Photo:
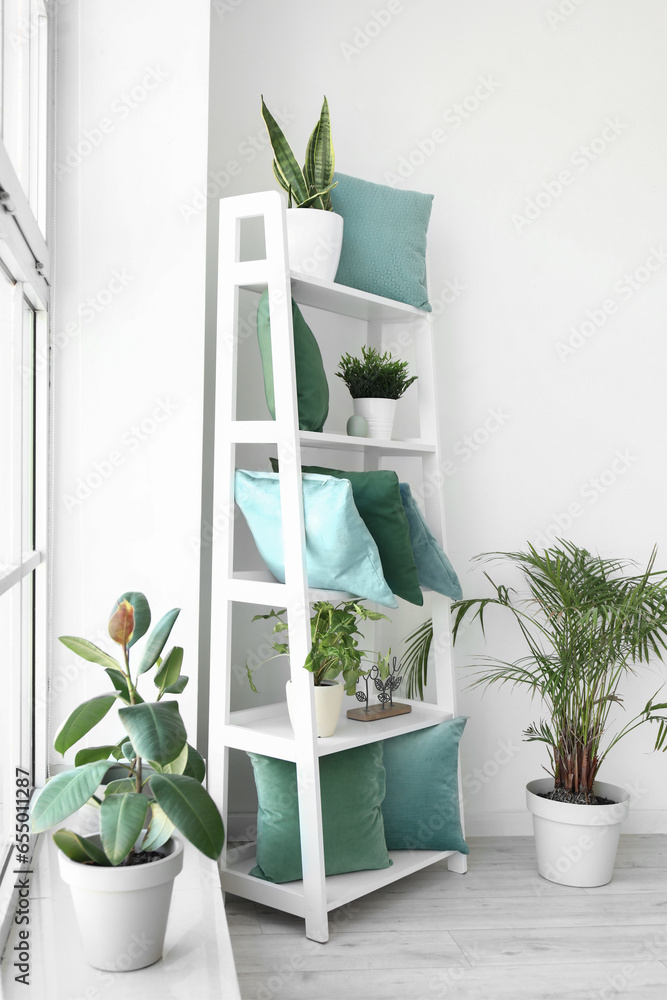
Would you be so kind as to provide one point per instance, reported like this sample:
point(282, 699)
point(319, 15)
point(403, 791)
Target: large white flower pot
point(314, 241)
point(328, 703)
point(576, 844)
point(379, 415)
point(122, 912)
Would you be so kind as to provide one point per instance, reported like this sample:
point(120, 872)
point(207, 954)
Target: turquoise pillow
point(312, 388)
point(340, 551)
point(384, 239)
point(352, 785)
point(433, 567)
point(421, 807)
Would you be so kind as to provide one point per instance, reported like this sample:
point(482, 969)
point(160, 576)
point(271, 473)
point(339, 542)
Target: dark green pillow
point(312, 388)
point(421, 807)
point(377, 497)
point(352, 786)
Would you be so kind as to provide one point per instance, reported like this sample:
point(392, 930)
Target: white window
point(24, 300)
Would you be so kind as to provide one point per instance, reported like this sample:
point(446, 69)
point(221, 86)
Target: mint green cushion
point(384, 239)
point(377, 497)
point(433, 567)
point(340, 551)
point(352, 786)
point(421, 807)
point(312, 388)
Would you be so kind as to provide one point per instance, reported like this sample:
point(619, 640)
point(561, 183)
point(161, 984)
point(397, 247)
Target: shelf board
point(345, 442)
point(340, 889)
point(259, 586)
point(268, 730)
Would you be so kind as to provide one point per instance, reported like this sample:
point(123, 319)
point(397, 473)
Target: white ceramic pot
point(122, 912)
point(314, 241)
point(379, 415)
point(576, 844)
point(328, 702)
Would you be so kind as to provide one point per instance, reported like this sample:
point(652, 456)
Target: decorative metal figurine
point(385, 689)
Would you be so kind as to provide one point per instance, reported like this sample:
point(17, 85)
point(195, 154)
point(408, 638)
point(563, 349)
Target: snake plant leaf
point(319, 166)
point(287, 170)
point(159, 831)
point(192, 811)
point(88, 754)
point(121, 822)
point(156, 730)
point(89, 651)
point(195, 767)
point(169, 670)
point(82, 720)
point(121, 624)
point(65, 793)
point(79, 848)
point(313, 199)
point(156, 641)
point(142, 613)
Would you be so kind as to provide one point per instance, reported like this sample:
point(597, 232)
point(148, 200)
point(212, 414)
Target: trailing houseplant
point(375, 381)
point(160, 791)
point(314, 239)
point(334, 652)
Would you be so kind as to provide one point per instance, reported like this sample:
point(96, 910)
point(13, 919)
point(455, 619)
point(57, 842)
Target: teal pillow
point(421, 807)
point(433, 567)
point(377, 497)
point(384, 239)
point(352, 785)
point(340, 552)
point(312, 388)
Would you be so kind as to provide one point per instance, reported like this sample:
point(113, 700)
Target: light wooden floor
point(498, 932)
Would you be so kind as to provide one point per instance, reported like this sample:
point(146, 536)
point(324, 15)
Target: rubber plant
point(586, 622)
point(161, 790)
point(374, 375)
point(310, 186)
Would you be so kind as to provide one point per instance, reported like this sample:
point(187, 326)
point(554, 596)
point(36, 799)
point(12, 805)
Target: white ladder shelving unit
point(267, 730)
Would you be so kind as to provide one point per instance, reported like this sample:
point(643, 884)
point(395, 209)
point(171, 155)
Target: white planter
point(314, 241)
point(379, 415)
point(122, 912)
point(576, 844)
point(328, 702)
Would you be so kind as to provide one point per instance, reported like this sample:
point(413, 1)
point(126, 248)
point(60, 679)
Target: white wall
point(537, 126)
point(131, 145)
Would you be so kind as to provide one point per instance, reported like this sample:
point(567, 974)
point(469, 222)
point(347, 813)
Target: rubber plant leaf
point(156, 730)
point(159, 831)
point(82, 720)
point(88, 754)
point(192, 811)
point(169, 670)
point(121, 624)
point(156, 641)
point(121, 822)
point(142, 613)
point(79, 848)
point(195, 767)
point(89, 651)
point(63, 794)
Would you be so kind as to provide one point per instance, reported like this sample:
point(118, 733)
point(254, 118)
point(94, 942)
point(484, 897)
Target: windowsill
point(197, 960)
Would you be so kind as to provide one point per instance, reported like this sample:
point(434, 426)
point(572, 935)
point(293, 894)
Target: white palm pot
point(314, 241)
point(328, 703)
point(379, 415)
point(576, 844)
point(122, 912)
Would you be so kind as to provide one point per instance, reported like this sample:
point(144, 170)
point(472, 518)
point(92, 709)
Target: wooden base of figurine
point(376, 712)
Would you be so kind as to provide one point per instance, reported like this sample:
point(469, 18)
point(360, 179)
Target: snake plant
point(308, 187)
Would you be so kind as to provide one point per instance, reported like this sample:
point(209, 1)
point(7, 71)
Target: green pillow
point(384, 239)
point(433, 567)
point(421, 807)
point(352, 785)
point(312, 388)
point(377, 497)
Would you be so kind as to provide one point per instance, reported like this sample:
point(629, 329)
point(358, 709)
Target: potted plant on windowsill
point(334, 654)
point(121, 879)
point(375, 381)
point(314, 238)
point(586, 622)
